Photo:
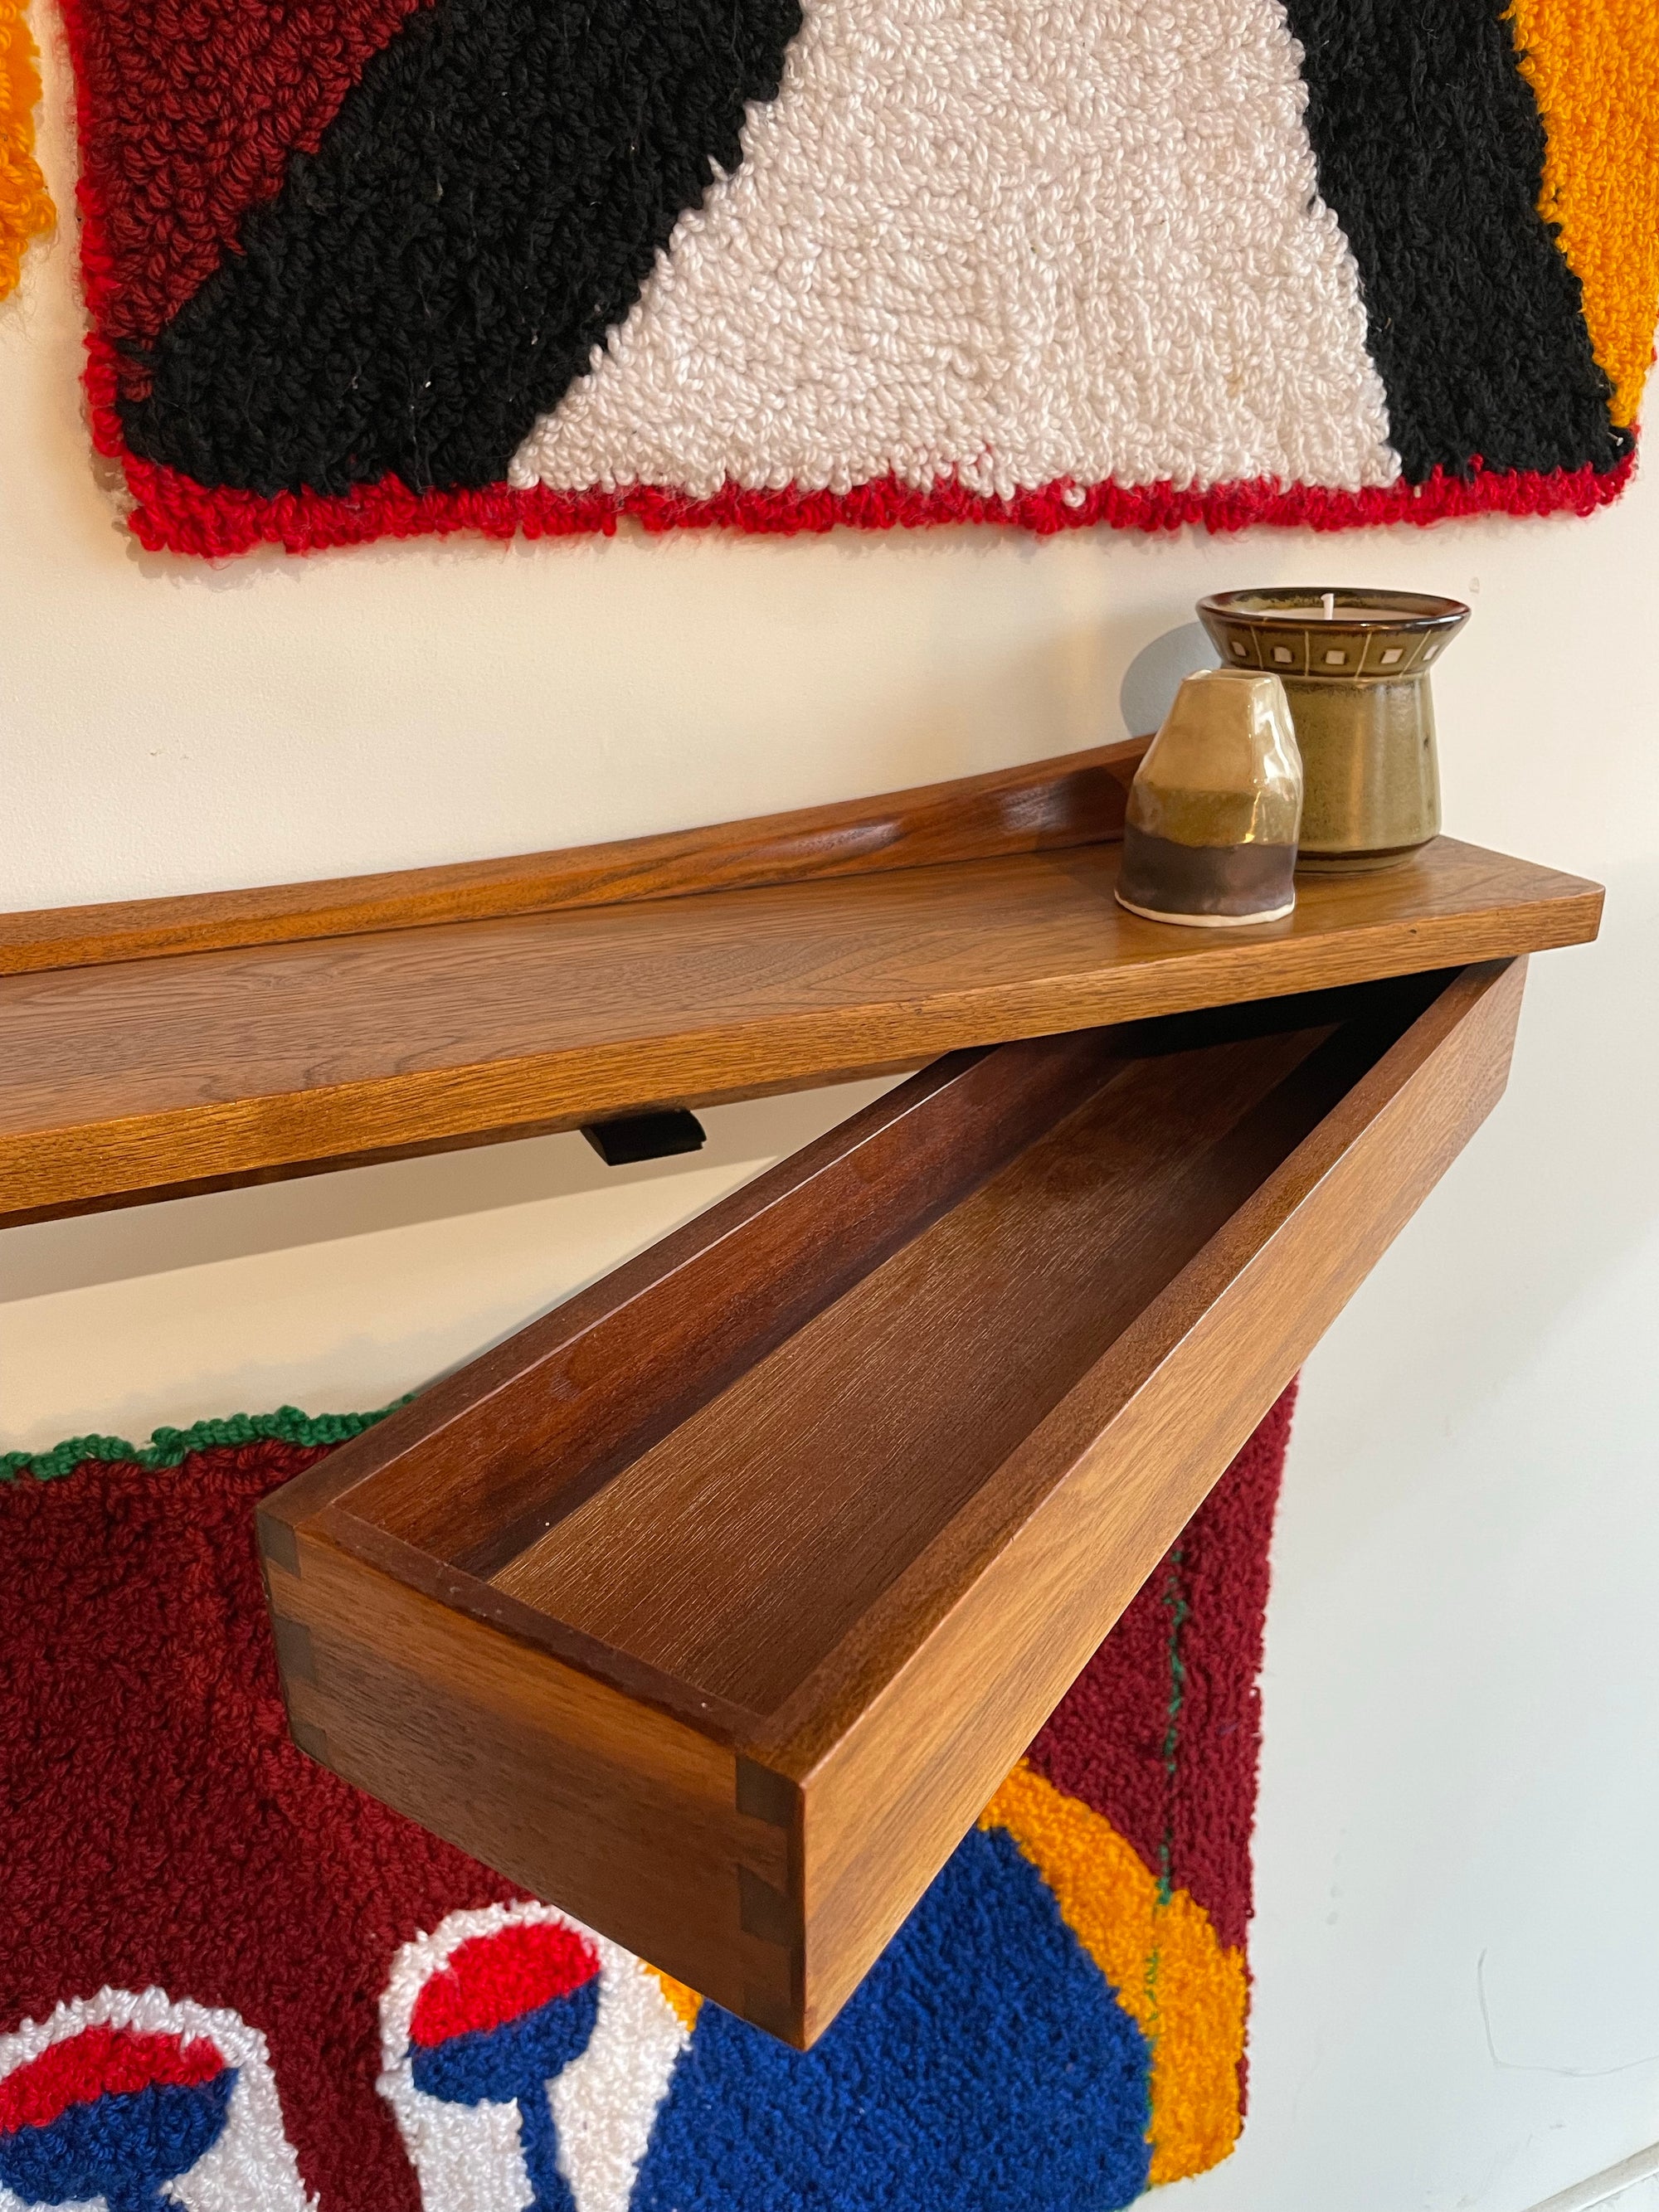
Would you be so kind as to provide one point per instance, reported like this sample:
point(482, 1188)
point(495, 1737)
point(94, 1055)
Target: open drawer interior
point(714, 1605)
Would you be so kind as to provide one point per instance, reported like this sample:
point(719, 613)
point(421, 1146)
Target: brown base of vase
point(1207, 886)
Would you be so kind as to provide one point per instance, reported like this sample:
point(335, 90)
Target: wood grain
point(485, 1461)
point(562, 1784)
point(901, 1737)
point(739, 1550)
point(126, 1081)
point(1075, 799)
point(860, 1573)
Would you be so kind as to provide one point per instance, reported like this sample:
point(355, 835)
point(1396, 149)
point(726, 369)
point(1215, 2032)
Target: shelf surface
point(714, 1605)
point(147, 1078)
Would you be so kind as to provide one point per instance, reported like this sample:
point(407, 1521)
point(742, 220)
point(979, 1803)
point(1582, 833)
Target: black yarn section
point(1430, 151)
point(483, 208)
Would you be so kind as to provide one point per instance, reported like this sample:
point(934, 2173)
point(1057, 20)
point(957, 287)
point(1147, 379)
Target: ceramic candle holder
point(1355, 667)
point(1210, 835)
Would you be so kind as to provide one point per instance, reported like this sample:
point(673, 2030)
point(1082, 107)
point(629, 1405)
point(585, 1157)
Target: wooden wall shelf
point(714, 1605)
point(867, 939)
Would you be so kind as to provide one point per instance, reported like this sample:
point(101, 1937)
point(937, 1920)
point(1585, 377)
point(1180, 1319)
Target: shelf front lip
point(52, 1165)
point(1046, 806)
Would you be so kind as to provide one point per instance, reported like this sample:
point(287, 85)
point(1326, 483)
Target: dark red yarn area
point(1162, 1731)
point(173, 513)
point(189, 112)
point(158, 1828)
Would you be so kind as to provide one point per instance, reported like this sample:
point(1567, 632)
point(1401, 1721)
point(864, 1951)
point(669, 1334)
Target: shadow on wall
point(1153, 677)
point(1046, 699)
point(1558, 1193)
point(189, 1232)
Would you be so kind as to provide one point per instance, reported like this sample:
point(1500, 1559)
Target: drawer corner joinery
point(713, 1605)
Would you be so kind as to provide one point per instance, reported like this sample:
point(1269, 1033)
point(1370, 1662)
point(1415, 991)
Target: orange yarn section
point(1163, 1958)
point(1594, 68)
point(684, 2003)
point(25, 208)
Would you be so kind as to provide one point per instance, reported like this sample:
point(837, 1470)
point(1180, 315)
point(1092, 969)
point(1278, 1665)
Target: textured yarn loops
point(483, 206)
point(367, 268)
point(1431, 151)
point(230, 1981)
point(939, 264)
point(26, 209)
point(1594, 66)
point(130, 2100)
point(172, 1447)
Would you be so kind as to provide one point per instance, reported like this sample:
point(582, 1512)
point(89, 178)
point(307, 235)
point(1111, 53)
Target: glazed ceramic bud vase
point(1355, 667)
point(1210, 835)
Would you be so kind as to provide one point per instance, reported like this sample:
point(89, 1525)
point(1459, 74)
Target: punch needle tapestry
point(231, 1983)
point(25, 208)
point(359, 267)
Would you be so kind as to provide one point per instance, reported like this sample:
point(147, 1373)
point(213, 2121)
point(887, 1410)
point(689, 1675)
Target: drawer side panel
point(897, 1766)
point(614, 1812)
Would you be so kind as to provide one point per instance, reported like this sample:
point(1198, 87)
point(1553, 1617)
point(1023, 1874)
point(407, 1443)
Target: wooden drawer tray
point(714, 1606)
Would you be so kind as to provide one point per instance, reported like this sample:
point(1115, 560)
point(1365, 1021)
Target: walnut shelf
point(714, 1605)
point(135, 1073)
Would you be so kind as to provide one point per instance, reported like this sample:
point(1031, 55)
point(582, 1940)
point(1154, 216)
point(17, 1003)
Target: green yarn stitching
point(168, 1447)
point(1179, 1607)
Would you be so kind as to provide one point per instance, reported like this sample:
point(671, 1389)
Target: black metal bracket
point(645, 1136)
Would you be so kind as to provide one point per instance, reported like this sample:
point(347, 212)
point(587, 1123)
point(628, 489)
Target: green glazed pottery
point(1355, 667)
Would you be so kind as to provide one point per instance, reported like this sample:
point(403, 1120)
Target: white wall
point(1462, 1794)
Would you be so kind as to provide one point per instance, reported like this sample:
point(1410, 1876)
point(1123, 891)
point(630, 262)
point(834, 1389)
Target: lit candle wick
point(1330, 606)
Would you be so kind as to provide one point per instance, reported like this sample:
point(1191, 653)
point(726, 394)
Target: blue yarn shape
point(513, 2064)
point(120, 2148)
point(984, 2066)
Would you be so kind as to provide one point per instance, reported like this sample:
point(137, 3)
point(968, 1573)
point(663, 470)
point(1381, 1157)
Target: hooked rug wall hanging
point(230, 1982)
point(26, 209)
point(362, 267)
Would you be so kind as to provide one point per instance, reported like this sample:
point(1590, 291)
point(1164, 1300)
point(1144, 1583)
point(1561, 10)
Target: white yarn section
point(467, 2157)
point(1009, 242)
point(251, 2168)
point(604, 2102)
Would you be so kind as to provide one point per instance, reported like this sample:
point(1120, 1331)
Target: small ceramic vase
point(1355, 666)
point(1210, 835)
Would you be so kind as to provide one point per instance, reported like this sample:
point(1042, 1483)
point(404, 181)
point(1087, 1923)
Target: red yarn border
point(172, 514)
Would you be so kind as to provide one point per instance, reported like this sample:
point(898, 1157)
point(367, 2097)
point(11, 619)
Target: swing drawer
point(714, 1605)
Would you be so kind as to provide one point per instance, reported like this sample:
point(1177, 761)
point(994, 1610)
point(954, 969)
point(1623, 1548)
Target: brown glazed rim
point(1294, 605)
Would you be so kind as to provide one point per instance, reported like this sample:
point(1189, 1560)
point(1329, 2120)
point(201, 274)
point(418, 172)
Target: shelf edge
point(1076, 799)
